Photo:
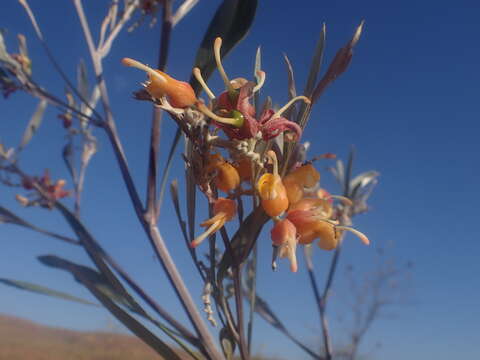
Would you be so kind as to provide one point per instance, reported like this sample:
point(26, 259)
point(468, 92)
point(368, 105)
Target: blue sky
point(409, 103)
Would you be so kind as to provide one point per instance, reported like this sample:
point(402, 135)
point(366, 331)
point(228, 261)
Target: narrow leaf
point(23, 285)
point(97, 254)
point(339, 64)
point(95, 283)
point(292, 91)
point(166, 170)
point(316, 63)
point(231, 22)
point(82, 79)
point(4, 55)
point(68, 158)
point(363, 180)
point(82, 83)
point(6, 216)
point(33, 124)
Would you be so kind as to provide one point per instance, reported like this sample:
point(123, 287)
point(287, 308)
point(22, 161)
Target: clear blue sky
point(409, 103)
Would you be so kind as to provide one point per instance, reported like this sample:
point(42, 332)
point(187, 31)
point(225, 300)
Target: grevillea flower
point(305, 176)
point(224, 210)
point(233, 111)
point(272, 193)
point(284, 237)
point(179, 93)
point(226, 177)
point(53, 191)
point(313, 221)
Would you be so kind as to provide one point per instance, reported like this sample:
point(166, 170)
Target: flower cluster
point(47, 192)
point(301, 211)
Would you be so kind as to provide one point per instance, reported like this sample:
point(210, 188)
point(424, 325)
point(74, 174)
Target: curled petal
point(273, 128)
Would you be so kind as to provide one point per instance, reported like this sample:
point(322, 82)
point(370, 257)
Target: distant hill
point(24, 340)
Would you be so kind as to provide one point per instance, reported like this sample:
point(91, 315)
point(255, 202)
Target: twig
point(64, 76)
point(104, 48)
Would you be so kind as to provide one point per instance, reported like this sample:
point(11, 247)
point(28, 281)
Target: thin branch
point(321, 303)
point(104, 48)
point(50, 56)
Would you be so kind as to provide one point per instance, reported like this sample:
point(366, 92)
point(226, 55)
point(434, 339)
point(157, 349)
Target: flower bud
point(226, 177)
point(295, 181)
point(179, 93)
point(272, 192)
point(284, 236)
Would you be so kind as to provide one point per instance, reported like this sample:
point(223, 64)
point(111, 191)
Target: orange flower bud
point(224, 210)
point(284, 235)
point(272, 192)
point(244, 169)
point(226, 177)
point(179, 93)
point(295, 181)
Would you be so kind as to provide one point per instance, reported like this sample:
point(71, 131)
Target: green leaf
point(33, 124)
point(231, 22)
point(97, 284)
point(23, 285)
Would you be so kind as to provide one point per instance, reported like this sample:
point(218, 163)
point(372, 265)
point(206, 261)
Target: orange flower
point(284, 236)
point(226, 176)
point(271, 190)
point(298, 179)
point(311, 224)
point(179, 93)
point(321, 207)
point(244, 168)
point(224, 210)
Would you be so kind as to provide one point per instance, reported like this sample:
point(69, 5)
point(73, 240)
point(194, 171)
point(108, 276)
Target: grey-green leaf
point(316, 63)
point(33, 124)
point(101, 289)
point(82, 81)
point(23, 285)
